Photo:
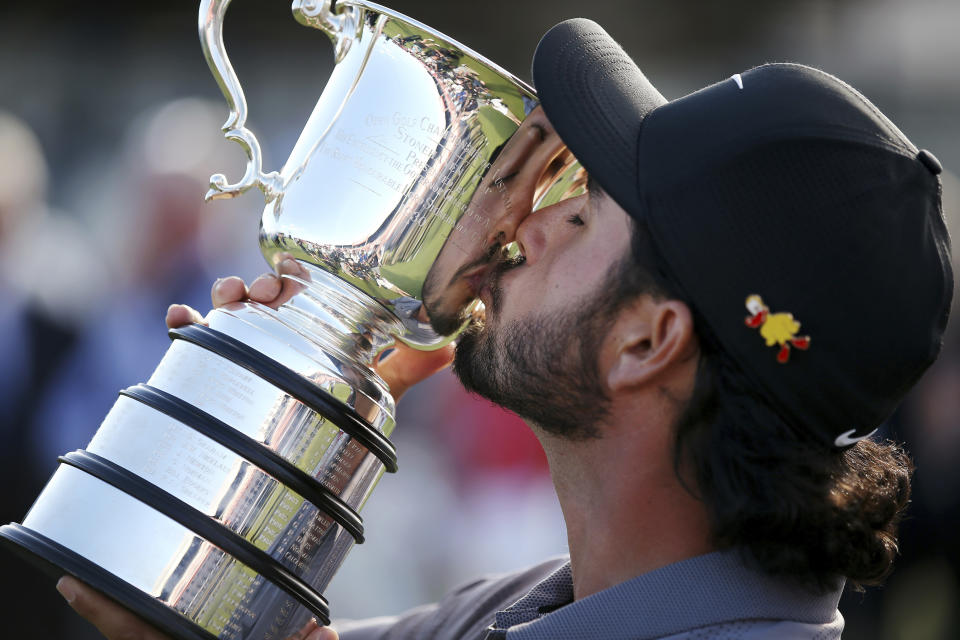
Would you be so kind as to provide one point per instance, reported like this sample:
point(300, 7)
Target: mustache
point(496, 256)
point(498, 253)
point(507, 263)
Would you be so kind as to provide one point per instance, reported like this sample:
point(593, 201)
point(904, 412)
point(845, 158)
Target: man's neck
point(625, 509)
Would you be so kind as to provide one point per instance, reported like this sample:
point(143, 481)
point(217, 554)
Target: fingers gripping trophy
point(218, 498)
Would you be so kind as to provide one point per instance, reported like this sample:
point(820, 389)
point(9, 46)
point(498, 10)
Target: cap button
point(930, 162)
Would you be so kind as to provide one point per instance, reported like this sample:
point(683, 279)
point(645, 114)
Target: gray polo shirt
point(711, 596)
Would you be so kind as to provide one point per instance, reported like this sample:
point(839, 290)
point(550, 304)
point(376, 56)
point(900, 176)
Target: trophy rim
point(379, 8)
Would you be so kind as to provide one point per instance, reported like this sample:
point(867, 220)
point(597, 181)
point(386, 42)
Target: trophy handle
point(211, 38)
point(342, 26)
point(341, 21)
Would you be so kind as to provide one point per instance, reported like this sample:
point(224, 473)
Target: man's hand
point(401, 369)
point(117, 623)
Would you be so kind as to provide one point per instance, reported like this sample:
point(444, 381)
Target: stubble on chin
point(543, 368)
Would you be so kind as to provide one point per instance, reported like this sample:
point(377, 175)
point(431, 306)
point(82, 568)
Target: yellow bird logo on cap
point(775, 328)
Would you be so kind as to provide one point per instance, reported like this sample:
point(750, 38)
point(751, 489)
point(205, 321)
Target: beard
point(544, 368)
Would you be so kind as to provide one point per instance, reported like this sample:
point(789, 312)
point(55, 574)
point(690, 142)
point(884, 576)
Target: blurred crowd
point(85, 291)
point(85, 287)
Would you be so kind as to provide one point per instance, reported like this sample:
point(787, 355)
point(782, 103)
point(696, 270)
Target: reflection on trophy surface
point(529, 169)
point(218, 499)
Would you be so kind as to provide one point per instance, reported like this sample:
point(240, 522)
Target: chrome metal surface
point(233, 492)
point(164, 559)
point(401, 161)
point(418, 160)
point(251, 405)
point(211, 39)
point(399, 156)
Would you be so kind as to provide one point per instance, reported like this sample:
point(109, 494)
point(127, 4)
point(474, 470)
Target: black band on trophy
point(203, 525)
point(253, 451)
point(293, 384)
point(55, 559)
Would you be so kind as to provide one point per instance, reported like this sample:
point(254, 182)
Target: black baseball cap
point(800, 224)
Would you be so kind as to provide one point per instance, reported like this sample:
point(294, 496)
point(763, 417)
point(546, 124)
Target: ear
point(648, 339)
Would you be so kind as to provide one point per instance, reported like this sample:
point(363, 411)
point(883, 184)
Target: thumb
point(113, 621)
point(313, 631)
point(323, 633)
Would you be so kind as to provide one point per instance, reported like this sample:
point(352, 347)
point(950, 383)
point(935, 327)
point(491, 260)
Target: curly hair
point(798, 506)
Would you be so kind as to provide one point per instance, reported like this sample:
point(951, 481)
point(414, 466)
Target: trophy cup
point(217, 499)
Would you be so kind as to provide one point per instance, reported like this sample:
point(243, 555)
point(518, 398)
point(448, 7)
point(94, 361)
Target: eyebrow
point(594, 188)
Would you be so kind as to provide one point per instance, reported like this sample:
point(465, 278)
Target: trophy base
point(217, 499)
point(55, 560)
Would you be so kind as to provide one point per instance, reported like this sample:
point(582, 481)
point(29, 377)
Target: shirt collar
point(553, 592)
point(710, 589)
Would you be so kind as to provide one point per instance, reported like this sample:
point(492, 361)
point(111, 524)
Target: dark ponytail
point(801, 508)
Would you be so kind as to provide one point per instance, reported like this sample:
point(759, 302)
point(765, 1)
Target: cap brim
point(596, 98)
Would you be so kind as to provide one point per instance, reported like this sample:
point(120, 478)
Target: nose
point(537, 232)
point(525, 162)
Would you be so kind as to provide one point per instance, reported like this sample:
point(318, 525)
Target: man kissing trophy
point(218, 498)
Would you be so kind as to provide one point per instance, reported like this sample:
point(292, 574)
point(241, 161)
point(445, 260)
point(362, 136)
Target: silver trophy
point(218, 499)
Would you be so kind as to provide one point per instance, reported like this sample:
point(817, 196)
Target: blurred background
point(109, 130)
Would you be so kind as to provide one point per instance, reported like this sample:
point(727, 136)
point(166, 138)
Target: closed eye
point(575, 219)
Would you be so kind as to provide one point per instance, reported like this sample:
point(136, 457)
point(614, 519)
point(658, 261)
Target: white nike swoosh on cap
point(844, 439)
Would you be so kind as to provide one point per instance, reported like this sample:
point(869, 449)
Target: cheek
point(552, 285)
point(583, 268)
point(576, 266)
